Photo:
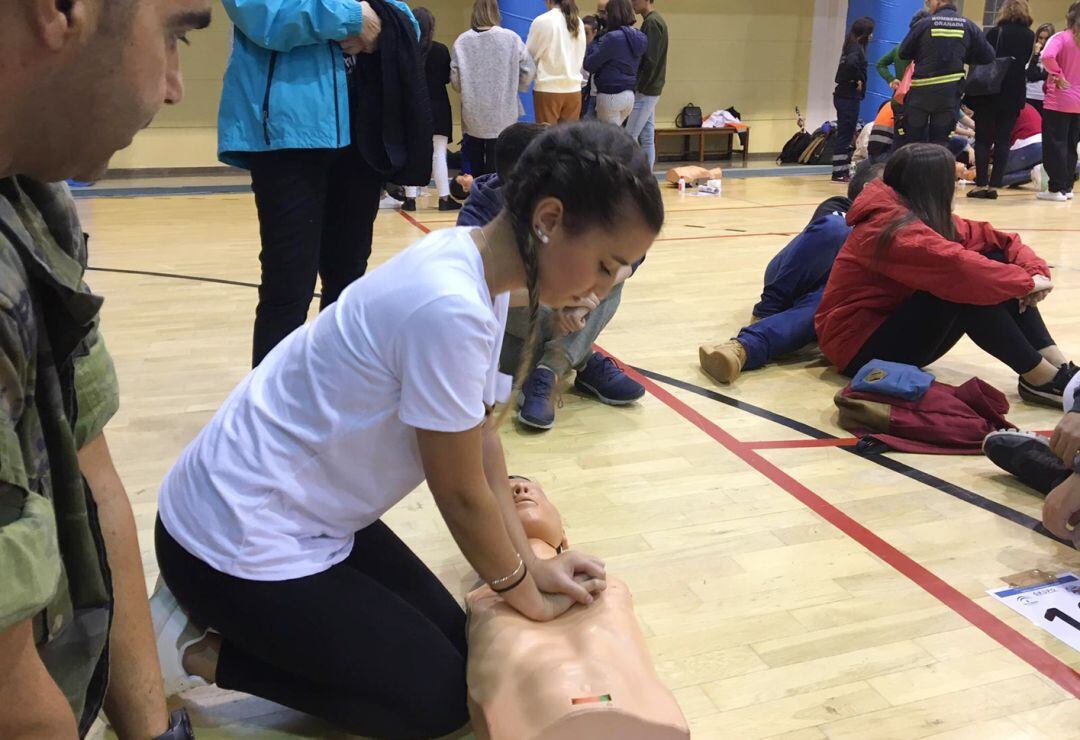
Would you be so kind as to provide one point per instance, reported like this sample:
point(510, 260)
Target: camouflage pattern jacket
point(57, 390)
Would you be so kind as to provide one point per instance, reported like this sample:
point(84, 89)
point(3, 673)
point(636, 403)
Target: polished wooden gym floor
point(787, 587)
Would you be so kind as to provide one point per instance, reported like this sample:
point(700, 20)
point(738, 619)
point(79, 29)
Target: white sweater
point(489, 68)
point(559, 56)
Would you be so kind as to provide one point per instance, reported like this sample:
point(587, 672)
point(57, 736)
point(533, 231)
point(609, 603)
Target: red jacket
point(863, 292)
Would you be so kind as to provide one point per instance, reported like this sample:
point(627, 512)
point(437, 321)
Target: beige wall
point(753, 55)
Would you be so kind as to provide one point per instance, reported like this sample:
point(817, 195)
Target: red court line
point(725, 236)
point(792, 444)
point(414, 222)
point(1003, 634)
point(427, 230)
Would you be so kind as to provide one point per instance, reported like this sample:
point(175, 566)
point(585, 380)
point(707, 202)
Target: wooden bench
point(701, 133)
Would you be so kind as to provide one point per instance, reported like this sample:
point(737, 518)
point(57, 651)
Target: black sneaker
point(1048, 394)
point(409, 204)
point(985, 193)
point(1028, 457)
point(446, 203)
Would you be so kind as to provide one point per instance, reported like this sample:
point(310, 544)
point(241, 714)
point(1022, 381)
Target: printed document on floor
point(1053, 606)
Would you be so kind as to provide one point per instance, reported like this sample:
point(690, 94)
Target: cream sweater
point(558, 55)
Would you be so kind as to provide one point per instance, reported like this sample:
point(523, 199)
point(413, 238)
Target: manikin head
point(538, 515)
point(79, 78)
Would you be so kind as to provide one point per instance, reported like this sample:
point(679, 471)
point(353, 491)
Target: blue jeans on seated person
point(1018, 167)
point(794, 282)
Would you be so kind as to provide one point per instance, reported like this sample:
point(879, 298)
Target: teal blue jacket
point(285, 83)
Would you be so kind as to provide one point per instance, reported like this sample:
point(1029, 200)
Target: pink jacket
point(1061, 58)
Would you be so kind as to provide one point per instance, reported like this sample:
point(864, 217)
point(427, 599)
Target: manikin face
point(538, 515)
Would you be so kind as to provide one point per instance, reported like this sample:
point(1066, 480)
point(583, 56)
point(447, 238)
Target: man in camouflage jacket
point(78, 80)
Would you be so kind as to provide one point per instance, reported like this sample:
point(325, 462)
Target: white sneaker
point(175, 633)
point(390, 202)
point(1070, 195)
point(1056, 197)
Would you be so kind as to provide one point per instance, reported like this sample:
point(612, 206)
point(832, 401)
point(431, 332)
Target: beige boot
point(723, 362)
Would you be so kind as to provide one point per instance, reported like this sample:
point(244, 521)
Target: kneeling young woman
point(913, 278)
point(269, 532)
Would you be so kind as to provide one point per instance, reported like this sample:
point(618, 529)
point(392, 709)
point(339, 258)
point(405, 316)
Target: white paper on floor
point(1053, 606)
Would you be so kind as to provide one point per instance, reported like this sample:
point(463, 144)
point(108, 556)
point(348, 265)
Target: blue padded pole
point(892, 18)
point(518, 15)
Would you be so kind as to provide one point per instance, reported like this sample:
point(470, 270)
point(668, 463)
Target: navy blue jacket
point(613, 59)
point(484, 203)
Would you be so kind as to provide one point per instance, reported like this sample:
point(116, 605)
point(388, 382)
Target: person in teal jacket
point(285, 116)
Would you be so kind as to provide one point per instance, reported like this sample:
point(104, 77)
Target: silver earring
point(544, 238)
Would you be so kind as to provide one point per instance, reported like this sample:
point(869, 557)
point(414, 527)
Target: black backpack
point(690, 117)
point(794, 148)
point(824, 153)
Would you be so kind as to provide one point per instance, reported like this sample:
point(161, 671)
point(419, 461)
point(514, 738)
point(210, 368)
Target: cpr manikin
point(587, 674)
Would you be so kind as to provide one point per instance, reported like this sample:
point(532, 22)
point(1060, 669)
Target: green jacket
point(652, 74)
point(892, 59)
point(57, 390)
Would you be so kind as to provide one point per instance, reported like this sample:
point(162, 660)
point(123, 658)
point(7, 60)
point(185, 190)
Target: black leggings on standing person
point(993, 130)
point(925, 327)
point(1061, 134)
point(317, 210)
point(374, 644)
point(481, 154)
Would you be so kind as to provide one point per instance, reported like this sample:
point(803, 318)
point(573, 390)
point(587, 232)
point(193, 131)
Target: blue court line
point(897, 466)
point(120, 191)
point(97, 191)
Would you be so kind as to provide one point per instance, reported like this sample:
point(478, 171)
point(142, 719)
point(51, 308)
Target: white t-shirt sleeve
point(444, 353)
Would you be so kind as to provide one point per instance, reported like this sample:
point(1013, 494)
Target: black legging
point(993, 129)
point(925, 327)
point(375, 644)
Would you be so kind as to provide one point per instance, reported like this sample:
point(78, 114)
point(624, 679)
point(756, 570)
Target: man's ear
point(57, 22)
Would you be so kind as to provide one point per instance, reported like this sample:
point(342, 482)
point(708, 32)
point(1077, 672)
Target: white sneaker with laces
point(175, 633)
point(1048, 195)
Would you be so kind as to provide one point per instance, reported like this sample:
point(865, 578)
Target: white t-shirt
point(319, 441)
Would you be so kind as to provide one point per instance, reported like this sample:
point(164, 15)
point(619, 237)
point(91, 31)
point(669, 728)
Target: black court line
point(897, 466)
point(176, 276)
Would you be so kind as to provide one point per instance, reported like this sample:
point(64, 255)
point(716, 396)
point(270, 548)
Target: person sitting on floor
point(783, 320)
point(566, 336)
point(913, 278)
point(1049, 465)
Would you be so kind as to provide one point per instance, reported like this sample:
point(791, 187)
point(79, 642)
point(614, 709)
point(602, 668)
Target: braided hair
point(599, 174)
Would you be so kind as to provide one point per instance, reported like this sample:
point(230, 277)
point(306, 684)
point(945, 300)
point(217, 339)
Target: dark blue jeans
point(794, 282)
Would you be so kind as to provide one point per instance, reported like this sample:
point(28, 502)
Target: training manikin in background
point(587, 674)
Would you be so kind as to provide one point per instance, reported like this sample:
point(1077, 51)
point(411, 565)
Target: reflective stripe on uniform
point(942, 80)
point(954, 33)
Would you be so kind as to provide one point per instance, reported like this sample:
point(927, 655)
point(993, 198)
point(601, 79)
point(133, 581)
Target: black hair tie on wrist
point(515, 584)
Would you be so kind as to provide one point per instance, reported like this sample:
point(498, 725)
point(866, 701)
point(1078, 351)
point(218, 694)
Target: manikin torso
point(586, 674)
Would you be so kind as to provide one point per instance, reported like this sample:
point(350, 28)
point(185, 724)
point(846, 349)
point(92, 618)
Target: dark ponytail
point(570, 10)
point(924, 176)
point(599, 174)
point(859, 35)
